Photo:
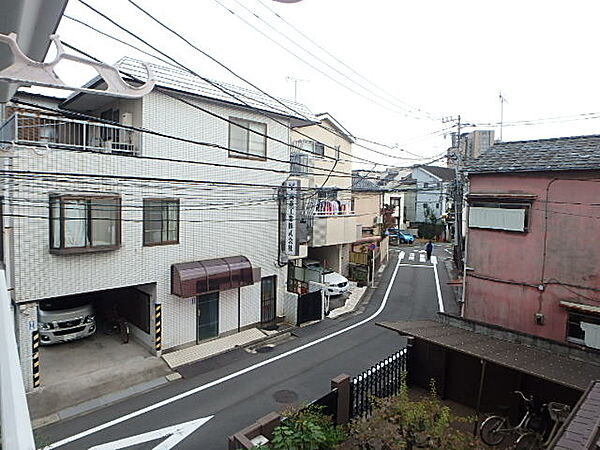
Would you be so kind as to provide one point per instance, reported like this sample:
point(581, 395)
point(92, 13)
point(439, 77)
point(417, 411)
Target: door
point(268, 294)
point(207, 307)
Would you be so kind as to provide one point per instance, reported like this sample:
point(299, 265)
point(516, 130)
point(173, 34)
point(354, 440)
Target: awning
point(219, 274)
point(542, 364)
point(580, 307)
point(367, 239)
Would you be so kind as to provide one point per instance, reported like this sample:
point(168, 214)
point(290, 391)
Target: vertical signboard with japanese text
point(291, 217)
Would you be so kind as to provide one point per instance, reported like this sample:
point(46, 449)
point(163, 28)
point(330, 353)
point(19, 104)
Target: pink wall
point(572, 254)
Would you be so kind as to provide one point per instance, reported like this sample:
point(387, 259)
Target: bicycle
point(495, 429)
point(539, 439)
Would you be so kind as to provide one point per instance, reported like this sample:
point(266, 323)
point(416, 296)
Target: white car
point(335, 283)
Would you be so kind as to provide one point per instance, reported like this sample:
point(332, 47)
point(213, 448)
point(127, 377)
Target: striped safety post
point(158, 327)
point(35, 353)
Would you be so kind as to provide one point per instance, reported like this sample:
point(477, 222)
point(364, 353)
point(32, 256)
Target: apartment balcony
point(37, 129)
point(333, 223)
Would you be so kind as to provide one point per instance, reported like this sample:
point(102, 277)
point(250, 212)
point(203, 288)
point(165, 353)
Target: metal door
point(268, 296)
point(207, 316)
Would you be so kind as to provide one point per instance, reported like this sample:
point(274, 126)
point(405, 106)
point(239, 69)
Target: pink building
point(533, 245)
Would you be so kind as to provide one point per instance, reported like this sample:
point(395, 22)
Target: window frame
point(88, 248)
point(503, 204)
point(237, 153)
point(576, 340)
point(164, 201)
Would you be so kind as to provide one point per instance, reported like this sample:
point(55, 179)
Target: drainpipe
point(239, 310)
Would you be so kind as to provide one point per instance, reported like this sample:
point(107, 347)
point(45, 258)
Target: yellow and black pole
point(158, 327)
point(35, 357)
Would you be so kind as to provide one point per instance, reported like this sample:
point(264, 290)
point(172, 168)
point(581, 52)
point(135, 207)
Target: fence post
point(408, 360)
point(342, 384)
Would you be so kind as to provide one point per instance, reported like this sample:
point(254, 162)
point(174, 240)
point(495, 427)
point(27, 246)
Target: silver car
point(65, 320)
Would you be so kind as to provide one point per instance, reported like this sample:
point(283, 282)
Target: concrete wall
point(560, 252)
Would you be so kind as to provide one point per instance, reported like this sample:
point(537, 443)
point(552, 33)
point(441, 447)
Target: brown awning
point(543, 364)
point(219, 274)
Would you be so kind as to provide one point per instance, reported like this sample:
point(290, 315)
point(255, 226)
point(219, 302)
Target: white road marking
point(231, 376)
point(411, 257)
point(437, 284)
point(421, 266)
point(421, 257)
point(176, 433)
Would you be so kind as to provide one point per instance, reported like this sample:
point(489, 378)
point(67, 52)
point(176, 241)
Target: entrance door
point(208, 316)
point(268, 288)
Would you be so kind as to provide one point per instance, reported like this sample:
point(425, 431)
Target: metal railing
point(332, 208)
point(382, 380)
point(29, 128)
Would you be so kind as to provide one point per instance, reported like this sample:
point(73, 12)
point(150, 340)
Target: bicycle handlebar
point(528, 400)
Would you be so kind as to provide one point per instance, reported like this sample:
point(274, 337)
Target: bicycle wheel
point(528, 441)
point(124, 328)
point(493, 431)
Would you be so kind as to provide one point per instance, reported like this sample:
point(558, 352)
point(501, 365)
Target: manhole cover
point(265, 349)
point(285, 396)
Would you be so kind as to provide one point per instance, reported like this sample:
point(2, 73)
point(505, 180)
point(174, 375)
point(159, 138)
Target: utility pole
point(458, 194)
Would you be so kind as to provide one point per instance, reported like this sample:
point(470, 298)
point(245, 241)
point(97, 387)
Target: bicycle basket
point(558, 411)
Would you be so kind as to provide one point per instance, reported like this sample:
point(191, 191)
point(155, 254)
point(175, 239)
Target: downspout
point(239, 310)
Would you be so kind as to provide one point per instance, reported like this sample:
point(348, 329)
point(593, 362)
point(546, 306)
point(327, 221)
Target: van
point(65, 320)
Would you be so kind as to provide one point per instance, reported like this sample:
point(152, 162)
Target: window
point(425, 205)
point(437, 206)
point(161, 221)
point(80, 224)
point(316, 148)
point(583, 329)
point(499, 216)
point(247, 137)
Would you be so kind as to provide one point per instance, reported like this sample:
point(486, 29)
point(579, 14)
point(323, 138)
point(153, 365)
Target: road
point(239, 387)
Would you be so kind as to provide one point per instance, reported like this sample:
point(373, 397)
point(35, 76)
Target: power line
point(176, 64)
point(343, 63)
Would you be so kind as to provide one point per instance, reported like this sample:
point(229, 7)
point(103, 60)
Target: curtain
point(75, 223)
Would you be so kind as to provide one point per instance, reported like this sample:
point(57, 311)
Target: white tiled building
point(122, 224)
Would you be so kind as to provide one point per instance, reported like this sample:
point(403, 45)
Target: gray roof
point(540, 155)
point(183, 81)
point(361, 182)
point(444, 173)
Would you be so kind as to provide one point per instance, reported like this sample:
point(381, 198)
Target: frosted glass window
point(247, 138)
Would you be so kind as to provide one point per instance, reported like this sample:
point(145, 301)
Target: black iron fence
point(381, 380)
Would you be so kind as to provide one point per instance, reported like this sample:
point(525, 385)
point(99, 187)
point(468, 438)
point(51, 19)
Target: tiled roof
point(445, 173)
point(360, 182)
point(541, 155)
point(181, 80)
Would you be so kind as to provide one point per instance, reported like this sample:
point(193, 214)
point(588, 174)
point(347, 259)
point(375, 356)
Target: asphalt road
point(241, 387)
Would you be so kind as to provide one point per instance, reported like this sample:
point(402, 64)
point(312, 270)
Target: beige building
point(321, 160)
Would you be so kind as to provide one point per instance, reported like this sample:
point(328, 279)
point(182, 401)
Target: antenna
point(295, 81)
point(502, 102)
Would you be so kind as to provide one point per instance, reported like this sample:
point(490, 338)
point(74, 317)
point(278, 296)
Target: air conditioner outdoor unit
point(127, 119)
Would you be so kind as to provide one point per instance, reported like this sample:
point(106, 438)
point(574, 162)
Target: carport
point(80, 370)
point(481, 371)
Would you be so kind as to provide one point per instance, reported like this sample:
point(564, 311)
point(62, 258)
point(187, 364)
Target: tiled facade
point(215, 220)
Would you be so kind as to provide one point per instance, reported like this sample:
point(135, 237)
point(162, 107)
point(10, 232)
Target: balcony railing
point(28, 128)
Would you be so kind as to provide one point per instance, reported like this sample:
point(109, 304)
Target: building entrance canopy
point(219, 274)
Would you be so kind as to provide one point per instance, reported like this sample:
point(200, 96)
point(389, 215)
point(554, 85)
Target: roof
point(173, 78)
point(336, 124)
point(443, 173)
point(581, 430)
point(540, 155)
point(362, 182)
point(542, 364)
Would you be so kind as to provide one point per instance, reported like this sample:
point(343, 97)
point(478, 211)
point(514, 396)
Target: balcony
point(37, 129)
point(333, 223)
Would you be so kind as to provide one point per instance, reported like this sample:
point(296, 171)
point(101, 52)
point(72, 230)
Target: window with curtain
point(161, 221)
point(79, 224)
point(247, 138)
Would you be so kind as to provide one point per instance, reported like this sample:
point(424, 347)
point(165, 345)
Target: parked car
point(335, 283)
point(403, 236)
point(65, 320)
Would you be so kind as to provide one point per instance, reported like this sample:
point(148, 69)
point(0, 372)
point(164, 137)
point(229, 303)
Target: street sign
point(175, 433)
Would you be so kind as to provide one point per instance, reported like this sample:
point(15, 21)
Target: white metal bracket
point(27, 72)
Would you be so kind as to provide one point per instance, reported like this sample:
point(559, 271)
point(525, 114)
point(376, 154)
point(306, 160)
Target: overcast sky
point(445, 58)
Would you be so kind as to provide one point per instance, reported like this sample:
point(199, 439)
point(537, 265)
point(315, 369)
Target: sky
point(442, 58)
